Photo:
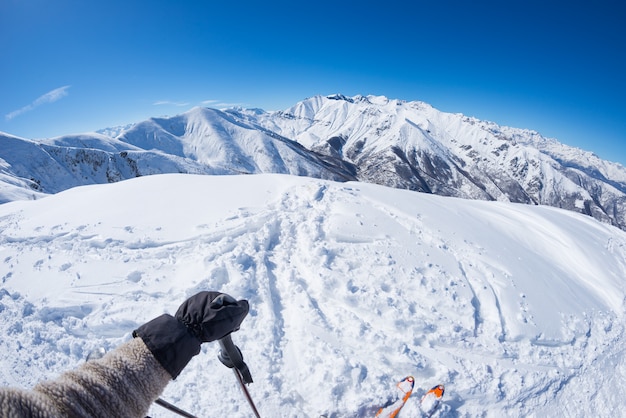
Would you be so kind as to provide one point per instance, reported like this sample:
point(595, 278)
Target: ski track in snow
point(516, 309)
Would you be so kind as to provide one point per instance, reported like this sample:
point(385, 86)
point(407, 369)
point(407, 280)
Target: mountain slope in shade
point(407, 145)
point(59, 164)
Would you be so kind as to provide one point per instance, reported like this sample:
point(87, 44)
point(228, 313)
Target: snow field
point(518, 310)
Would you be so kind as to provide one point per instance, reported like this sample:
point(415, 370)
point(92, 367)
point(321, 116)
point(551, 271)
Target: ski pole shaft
point(246, 393)
point(173, 408)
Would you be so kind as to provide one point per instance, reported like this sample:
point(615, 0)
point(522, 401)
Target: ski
point(431, 400)
point(405, 388)
point(428, 404)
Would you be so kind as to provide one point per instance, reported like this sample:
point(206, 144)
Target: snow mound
point(517, 309)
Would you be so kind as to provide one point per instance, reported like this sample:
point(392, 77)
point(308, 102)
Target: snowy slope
point(517, 309)
point(201, 141)
point(216, 139)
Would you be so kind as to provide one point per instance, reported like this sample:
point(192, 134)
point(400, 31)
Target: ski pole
point(231, 357)
point(173, 408)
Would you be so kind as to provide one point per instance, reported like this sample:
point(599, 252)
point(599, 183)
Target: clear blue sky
point(557, 67)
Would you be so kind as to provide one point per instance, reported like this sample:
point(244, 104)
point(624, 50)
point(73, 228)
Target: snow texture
point(517, 309)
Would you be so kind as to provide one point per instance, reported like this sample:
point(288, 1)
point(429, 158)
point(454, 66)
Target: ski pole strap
point(230, 356)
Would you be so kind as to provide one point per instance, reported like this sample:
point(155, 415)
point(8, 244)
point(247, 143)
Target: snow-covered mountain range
point(408, 145)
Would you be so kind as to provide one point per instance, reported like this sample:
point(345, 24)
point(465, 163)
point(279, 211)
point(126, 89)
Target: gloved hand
point(206, 316)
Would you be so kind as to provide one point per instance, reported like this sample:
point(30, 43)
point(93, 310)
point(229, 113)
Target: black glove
point(206, 316)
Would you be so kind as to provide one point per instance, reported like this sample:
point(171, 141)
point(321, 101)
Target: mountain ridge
point(456, 155)
point(374, 139)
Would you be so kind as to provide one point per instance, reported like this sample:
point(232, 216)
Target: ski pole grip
point(231, 356)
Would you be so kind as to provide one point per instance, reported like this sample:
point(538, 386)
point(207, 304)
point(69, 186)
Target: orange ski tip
point(437, 390)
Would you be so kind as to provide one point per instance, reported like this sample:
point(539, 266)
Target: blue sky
point(557, 67)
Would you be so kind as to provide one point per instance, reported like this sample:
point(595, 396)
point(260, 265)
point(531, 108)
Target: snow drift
point(517, 309)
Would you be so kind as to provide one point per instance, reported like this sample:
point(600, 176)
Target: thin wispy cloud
point(222, 105)
point(218, 104)
point(50, 97)
point(170, 103)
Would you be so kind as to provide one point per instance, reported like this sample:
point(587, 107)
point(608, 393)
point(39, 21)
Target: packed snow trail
point(518, 309)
